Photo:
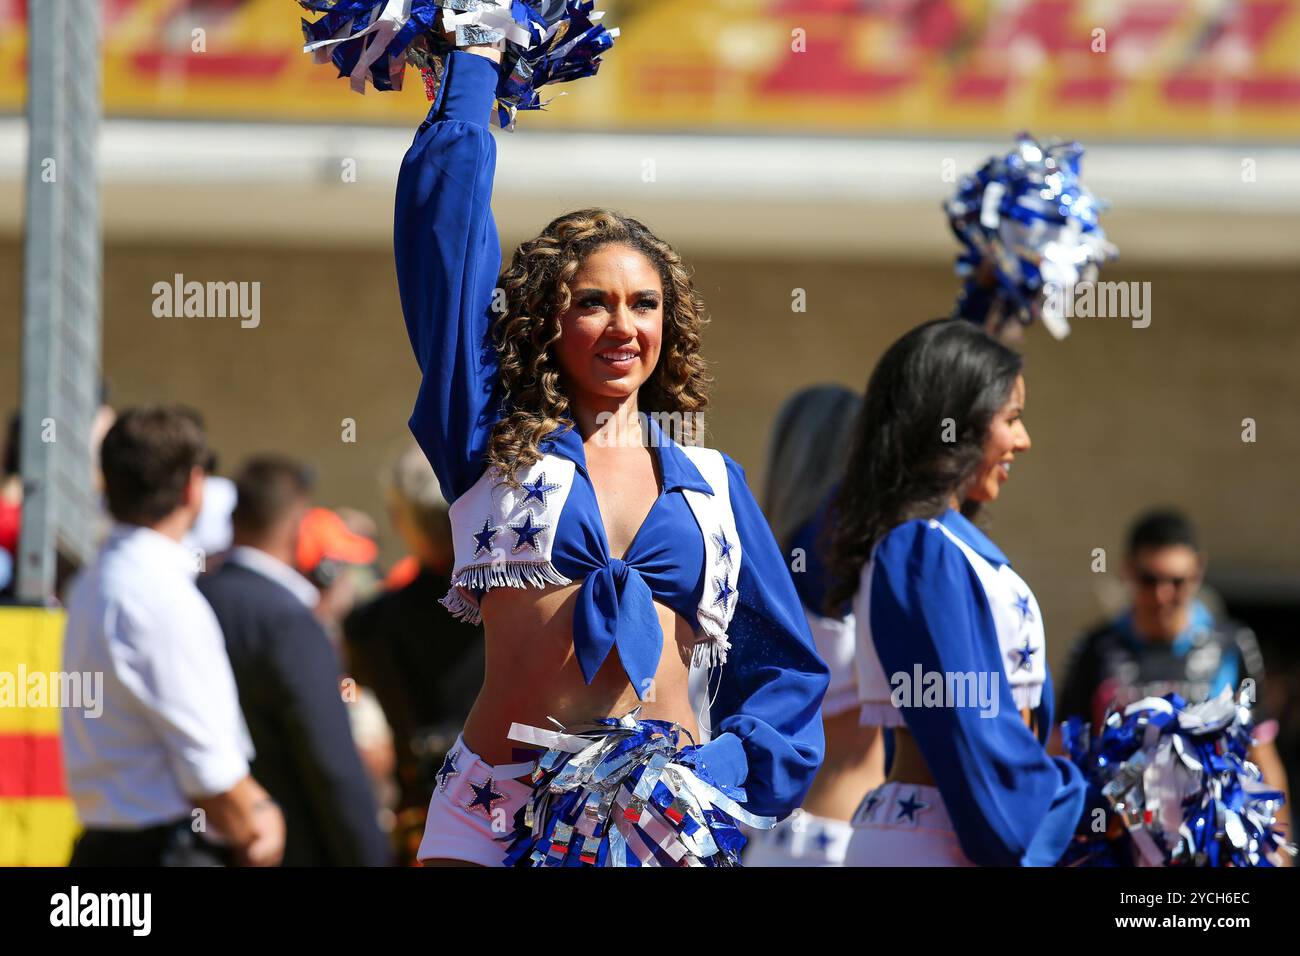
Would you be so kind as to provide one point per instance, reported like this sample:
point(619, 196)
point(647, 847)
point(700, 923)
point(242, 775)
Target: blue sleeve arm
point(448, 259)
point(766, 717)
point(1011, 804)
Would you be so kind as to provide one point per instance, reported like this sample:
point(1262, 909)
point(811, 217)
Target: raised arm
point(448, 259)
point(1010, 803)
point(766, 717)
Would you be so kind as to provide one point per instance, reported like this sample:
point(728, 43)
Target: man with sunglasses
point(1167, 641)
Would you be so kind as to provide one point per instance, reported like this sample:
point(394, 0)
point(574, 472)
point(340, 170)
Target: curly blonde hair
point(537, 292)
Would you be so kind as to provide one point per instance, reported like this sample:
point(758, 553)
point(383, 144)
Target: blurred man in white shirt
point(171, 740)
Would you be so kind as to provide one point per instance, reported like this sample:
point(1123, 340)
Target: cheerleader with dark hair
point(950, 640)
point(811, 439)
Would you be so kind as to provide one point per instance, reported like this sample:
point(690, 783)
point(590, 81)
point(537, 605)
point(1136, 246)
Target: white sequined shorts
point(472, 812)
point(903, 824)
point(800, 840)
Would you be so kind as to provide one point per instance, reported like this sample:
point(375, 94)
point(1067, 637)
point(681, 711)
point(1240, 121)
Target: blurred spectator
point(360, 523)
point(288, 675)
point(11, 496)
point(104, 418)
point(1168, 641)
point(811, 440)
point(336, 552)
point(425, 666)
point(212, 533)
point(170, 736)
point(11, 506)
point(327, 553)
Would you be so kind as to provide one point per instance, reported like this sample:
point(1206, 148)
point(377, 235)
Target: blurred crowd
point(273, 694)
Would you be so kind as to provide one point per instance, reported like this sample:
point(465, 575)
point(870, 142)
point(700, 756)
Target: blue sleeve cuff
point(723, 758)
point(468, 90)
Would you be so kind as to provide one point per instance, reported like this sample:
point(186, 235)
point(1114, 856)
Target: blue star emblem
point(538, 489)
point(724, 591)
point(873, 800)
point(909, 807)
point(1026, 656)
point(1022, 605)
point(724, 546)
point(447, 770)
point(526, 533)
point(483, 538)
point(484, 796)
point(823, 840)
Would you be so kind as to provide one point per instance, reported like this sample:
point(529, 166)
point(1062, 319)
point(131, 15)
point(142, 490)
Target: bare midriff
point(532, 674)
point(910, 767)
point(854, 763)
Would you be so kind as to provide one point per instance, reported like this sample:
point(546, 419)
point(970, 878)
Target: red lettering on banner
point(210, 66)
point(926, 25)
point(825, 69)
point(1046, 23)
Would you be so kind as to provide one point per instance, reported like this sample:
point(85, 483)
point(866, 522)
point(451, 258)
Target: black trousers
point(169, 844)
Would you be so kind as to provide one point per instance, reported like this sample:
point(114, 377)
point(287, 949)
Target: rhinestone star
point(448, 769)
point(723, 591)
point(724, 546)
point(538, 489)
point(484, 796)
point(1026, 654)
point(1022, 605)
point(483, 538)
point(526, 534)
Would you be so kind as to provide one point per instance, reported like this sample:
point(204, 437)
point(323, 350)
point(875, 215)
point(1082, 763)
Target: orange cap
point(402, 573)
point(323, 535)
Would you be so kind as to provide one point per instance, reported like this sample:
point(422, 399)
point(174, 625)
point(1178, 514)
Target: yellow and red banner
point(1137, 69)
point(37, 820)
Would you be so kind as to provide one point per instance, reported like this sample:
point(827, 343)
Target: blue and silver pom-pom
point(542, 41)
point(1028, 226)
point(622, 792)
point(1178, 780)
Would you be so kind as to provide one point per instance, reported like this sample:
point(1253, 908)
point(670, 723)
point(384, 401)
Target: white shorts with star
point(801, 839)
point(473, 808)
point(903, 824)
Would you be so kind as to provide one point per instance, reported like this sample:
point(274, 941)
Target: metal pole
point(61, 292)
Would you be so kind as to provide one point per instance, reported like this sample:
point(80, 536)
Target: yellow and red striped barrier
point(37, 821)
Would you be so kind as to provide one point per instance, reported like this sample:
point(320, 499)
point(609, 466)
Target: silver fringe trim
point(461, 607)
point(499, 574)
point(710, 653)
point(1027, 696)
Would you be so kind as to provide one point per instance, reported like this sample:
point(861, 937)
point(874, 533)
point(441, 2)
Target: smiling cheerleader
point(604, 554)
point(951, 649)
